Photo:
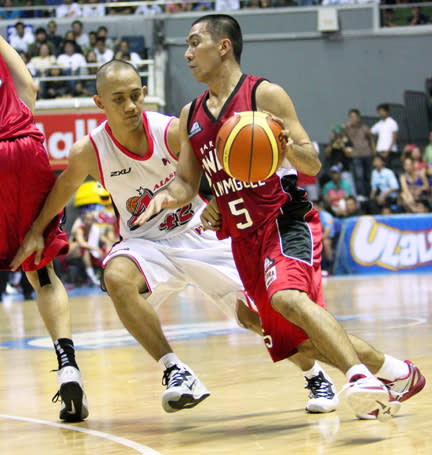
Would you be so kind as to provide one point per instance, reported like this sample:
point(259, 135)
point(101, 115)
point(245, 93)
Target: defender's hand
point(158, 203)
point(33, 243)
point(211, 218)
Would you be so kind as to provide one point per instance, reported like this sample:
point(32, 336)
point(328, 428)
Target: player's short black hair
point(112, 65)
point(354, 111)
point(224, 26)
point(384, 107)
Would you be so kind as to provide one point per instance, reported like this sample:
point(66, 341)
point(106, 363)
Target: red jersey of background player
point(16, 119)
point(244, 206)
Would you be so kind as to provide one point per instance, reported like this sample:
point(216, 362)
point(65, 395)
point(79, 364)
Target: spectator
point(427, 154)
point(177, 7)
point(69, 36)
point(120, 9)
point(31, 13)
point(26, 60)
point(387, 18)
point(68, 9)
point(92, 9)
point(71, 60)
point(134, 58)
point(414, 185)
point(9, 14)
point(149, 10)
point(40, 38)
point(330, 228)
point(417, 17)
point(81, 38)
point(352, 207)
point(202, 6)
point(92, 38)
point(103, 54)
point(87, 87)
point(56, 88)
point(338, 151)
point(87, 236)
point(384, 186)
point(416, 156)
point(102, 32)
point(53, 38)
point(227, 5)
point(363, 151)
point(422, 206)
point(21, 37)
point(43, 60)
point(386, 130)
point(336, 190)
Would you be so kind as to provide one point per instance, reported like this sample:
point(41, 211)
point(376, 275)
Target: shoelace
point(173, 376)
point(56, 397)
point(319, 387)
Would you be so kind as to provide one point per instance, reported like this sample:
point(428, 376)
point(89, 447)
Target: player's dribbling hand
point(33, 243)
point(158, 203)
point(286, 133)
point(211, 218)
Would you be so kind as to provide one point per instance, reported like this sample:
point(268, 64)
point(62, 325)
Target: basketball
point(249, 146)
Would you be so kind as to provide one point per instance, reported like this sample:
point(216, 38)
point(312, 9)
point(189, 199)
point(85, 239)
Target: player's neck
point(135, 141)
point(223, 83)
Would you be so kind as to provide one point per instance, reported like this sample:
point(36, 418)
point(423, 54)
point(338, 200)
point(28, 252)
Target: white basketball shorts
point(194, 257)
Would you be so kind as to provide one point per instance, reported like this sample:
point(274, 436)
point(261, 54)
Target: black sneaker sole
point(72, 394)
point(187, 402)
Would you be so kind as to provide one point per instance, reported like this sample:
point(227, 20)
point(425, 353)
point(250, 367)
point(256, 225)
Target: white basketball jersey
point(133, 180)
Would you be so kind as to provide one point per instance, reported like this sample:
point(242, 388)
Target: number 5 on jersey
point(236, 209)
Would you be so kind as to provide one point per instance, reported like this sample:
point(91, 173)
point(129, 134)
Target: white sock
point(392, 369)
point(168, 360)
point(314, 371)
point(358, 369)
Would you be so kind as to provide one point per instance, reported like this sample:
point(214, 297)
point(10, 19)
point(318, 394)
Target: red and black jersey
point(16, 119)
point(244, 206)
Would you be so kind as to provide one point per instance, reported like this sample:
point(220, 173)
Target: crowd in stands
point(77, 53)
point(364, 172)
point(91, 8)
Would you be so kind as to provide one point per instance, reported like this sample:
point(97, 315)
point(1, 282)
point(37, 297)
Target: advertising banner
point(382, 244)
point(61, 130)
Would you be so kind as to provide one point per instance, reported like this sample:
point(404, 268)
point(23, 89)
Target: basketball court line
point(140, 448)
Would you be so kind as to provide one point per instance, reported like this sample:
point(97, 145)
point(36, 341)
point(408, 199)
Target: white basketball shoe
point(368, 394)
point(183, 389)
point(74, 405)
point(322, 394)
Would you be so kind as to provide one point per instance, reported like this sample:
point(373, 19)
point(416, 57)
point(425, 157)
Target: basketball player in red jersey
point(276, 234)
point(26, 179)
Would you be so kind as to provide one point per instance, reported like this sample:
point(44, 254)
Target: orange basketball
point(249, 146)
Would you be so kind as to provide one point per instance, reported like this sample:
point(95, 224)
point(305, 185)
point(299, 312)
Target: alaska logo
point(137, 204)
point(195, 128)
point(121, 172)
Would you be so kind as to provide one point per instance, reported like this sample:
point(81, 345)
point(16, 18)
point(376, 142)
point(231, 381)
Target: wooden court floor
point(256, 407)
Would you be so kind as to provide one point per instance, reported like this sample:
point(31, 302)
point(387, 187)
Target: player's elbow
point(316, 167)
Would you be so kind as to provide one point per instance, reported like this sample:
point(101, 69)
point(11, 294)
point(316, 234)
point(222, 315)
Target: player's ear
point(224, 46)
point(98, 101)
point(144, 90)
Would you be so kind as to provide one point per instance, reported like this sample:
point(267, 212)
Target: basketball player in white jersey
point(133, 154)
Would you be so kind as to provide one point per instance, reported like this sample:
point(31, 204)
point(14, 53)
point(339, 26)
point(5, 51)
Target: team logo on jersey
point(270, 271)
point(195, 129)
point(137, 204)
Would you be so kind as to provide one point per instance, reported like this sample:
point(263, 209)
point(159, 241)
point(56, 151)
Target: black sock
point(65, 351)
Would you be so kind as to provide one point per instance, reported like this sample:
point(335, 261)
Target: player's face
point(202, 54)
point(122, 99)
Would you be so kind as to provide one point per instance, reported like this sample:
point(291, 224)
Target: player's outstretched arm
point(22, 79)
point(300, 153)
point(185, 185)
point(80, 157)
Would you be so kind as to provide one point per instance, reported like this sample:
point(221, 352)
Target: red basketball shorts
point(283, 254)
point(25, 180)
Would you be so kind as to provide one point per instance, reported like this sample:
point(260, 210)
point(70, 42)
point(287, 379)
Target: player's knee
point(116, 281)
point(247, 318)
point(287, 302)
